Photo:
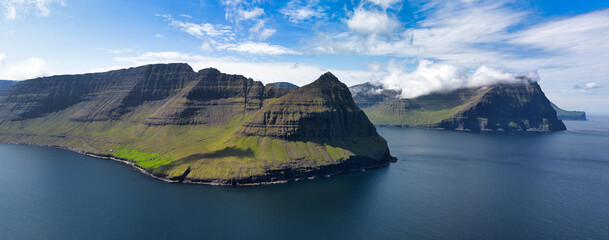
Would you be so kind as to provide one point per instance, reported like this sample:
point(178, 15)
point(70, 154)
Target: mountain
point(569, 115)
point(283, 84)
point(6, 83)
point(502, 107)
point(197, 127)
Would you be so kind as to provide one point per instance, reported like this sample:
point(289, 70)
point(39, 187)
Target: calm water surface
point(446, 185)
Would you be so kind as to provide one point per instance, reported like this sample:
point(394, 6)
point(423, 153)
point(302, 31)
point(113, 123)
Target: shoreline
point(217, 182)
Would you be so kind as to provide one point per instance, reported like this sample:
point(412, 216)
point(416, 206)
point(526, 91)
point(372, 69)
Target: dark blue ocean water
point(446, 185)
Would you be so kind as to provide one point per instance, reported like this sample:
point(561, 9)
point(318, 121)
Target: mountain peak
point(328, 76)
point(209, 70)
point(327, 82)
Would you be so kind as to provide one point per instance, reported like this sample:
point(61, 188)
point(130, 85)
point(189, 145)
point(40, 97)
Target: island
point(519, 106)
point(207, 127)
point(569, 115)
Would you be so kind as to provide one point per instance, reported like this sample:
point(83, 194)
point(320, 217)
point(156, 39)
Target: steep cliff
point(502, 107)
point(205, 127)
point(569, 115)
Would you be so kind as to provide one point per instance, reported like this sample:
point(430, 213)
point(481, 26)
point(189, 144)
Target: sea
point(445, 185)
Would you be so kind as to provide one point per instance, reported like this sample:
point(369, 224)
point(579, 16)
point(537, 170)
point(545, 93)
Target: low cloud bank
point(30, 68)
point(433, 77)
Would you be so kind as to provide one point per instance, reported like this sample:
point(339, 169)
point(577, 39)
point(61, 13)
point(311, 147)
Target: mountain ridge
point(501, 107)
point(180, 125)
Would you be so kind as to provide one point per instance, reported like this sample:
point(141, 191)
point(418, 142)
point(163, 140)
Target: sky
point(417, 46)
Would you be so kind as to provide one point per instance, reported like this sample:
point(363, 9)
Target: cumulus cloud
point(30, 68)
point(14, 8)
point(433, 77)
point(372, 22)
point(483, 32)
point(297, 12)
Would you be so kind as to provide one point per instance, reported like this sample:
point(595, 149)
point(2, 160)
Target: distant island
point(501, 107)
point(569, 115)
point(207, 127)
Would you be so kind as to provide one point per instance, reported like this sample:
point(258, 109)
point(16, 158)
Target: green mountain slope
point(205, 127)
point(501, 107)
point(569, 115)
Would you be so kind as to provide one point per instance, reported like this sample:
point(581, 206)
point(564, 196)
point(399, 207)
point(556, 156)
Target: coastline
point(215, 182)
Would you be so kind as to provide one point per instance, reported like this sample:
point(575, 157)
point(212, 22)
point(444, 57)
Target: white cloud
point(251, 13)
point(266, 33)
point(267, 72)
point(2, 57)
point(257, 48)
point(259, 32)
point(372, 22)
point(31, 68)
point(158, 35)
point(14, 8)
point(297, 12)
point(587, 86)
point(432, 77)
point(489, 33)
point(374, 66)
point(591, 85)
point(238, 10)
point(204, 30)
point(206, 47)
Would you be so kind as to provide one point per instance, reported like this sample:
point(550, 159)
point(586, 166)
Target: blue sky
point(416, 46)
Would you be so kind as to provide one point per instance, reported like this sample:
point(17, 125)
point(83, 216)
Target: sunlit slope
point(502, 107)
point(179, 124)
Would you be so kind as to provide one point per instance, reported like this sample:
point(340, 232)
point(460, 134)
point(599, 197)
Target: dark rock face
point(501, 107)
point(508, 107)
point(323, 109)
point(186, 95)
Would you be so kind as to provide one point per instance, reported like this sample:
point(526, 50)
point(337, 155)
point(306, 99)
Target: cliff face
point(113, 95)
point(323, 109)
point(502, 107)
point(569, 115)
point(201, 126)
